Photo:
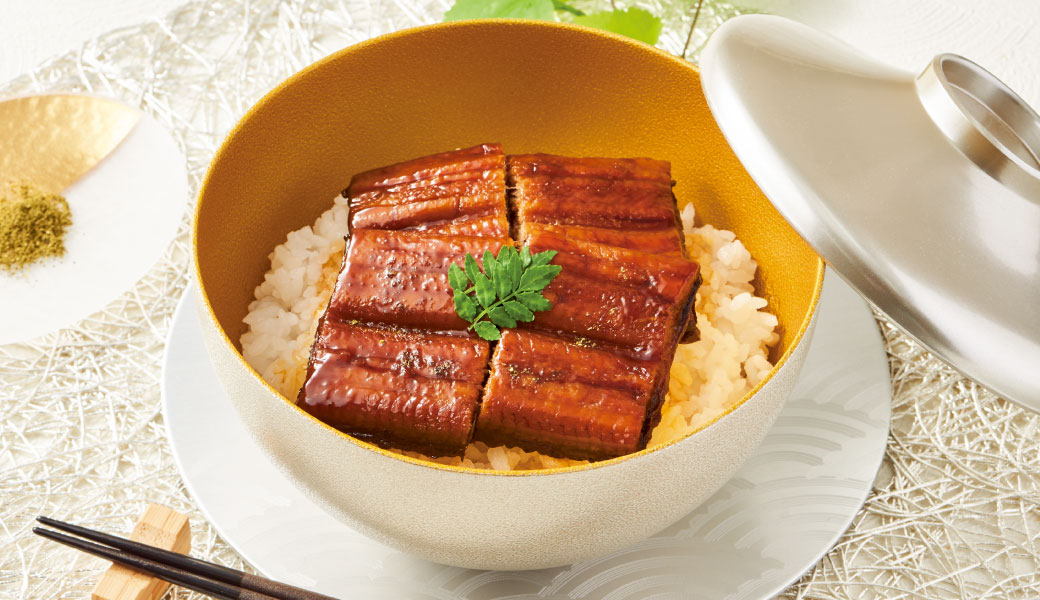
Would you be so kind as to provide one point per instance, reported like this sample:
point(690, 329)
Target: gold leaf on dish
point(53, 140)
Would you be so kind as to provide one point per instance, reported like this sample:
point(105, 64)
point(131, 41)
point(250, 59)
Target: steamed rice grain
point(707, 377)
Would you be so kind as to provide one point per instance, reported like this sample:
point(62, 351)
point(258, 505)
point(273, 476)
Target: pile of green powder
point(32, 225)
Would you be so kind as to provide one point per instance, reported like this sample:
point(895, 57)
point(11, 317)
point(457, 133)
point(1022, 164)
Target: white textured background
point(32, 30)
point(1002, 35)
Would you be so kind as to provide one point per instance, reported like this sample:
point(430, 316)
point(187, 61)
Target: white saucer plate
point(125, 212)
point(767, 526)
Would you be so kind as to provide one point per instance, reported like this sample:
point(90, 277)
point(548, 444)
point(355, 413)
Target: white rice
point(707, 376)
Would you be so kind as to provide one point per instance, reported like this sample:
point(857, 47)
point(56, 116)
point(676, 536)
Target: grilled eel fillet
point(403, 388)
point(391, 362)
point(635, 301)
point(566, 398)
point(587, 378)
point(401, 278)
point(623, 202)
point(376, 370)
point(461, 192)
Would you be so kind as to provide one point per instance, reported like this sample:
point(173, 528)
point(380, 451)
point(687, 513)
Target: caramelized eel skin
point(591, 381)
point(564, 399)
point(636, 301)
point(401, 278)
point(392, 363)
point(408, 389)
point(461, 192)
point(622, 202)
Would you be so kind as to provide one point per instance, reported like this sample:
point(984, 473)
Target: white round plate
point(125, 212)
point(766, 527)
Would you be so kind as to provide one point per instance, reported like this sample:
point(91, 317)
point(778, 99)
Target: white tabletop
point(1001, 35)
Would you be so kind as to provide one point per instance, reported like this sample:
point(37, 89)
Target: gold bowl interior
point(534, 87)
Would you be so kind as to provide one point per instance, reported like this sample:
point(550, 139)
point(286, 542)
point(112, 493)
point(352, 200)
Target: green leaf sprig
point(634, 22)
point(506, 290)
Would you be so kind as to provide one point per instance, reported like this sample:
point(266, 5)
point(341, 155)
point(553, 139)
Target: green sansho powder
point(32, 225)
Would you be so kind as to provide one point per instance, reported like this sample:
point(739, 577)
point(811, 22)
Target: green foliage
point(509, 288)
point(534, 301)
point(566, 7)
point(518, 311)
point(636, 23)
point(465, 306)
point(542, 10)
point(487, 330)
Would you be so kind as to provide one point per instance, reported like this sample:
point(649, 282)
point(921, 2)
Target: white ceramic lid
point(922, 191)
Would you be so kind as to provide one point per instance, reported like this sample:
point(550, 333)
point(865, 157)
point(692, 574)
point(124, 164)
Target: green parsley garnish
point(508, 288)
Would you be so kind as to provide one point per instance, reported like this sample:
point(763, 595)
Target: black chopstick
point(196, 583)
point(192, 573)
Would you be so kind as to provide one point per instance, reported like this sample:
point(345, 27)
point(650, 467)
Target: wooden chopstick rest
point(158, 526)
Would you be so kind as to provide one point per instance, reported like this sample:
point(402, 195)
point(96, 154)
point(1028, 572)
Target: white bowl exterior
point(487, 521)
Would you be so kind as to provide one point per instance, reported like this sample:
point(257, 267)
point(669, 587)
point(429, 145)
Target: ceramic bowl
point(533, 87)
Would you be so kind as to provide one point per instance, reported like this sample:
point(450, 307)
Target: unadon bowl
point(534, 87)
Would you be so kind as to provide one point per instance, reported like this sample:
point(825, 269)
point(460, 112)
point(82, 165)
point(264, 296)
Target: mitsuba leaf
point(633, 22)
point(500, 9)
point(487, 330)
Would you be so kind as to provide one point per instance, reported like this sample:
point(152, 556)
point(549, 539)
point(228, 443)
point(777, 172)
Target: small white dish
point(125, 212)
point(782, 511)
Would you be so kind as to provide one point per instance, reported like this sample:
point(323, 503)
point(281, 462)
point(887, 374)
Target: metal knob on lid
point(923, 192)
point(985, 120)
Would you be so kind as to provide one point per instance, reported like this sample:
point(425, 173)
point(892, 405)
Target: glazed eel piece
point(623, 202)
point(587, 378)
point(407, 389)
point(391, 362)
point(461, 192)
point(401, 278)
point(637, 302)
point(567, 398)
